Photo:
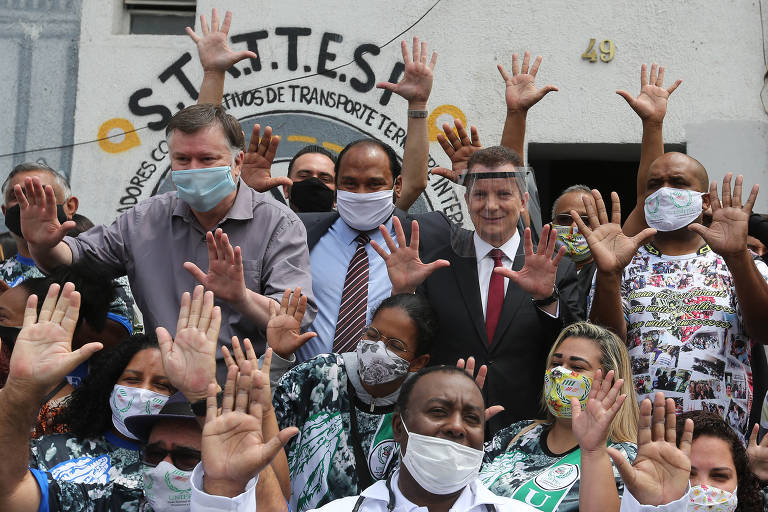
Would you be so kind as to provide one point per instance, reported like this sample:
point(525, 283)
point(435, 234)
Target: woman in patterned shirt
point(538, 462)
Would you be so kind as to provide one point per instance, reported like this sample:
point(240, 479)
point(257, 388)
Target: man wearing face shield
point(162, 242)
point(495, 298)
point(575, 244)
point(439, 426)
point(694, 288)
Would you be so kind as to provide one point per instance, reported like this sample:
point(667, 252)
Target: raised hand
point(233, 449)
point(537, 276)
point(225, 269)
point(591, 425)
point(758, 455)
point(212, 48)
point(469, 367)
point(661, 470)
point(610, 247)
point(43, 355)
point(284, 327)
point(246, 353)
point(189, 360)
point(257, 162)
point(521, 93)
point(727, 233)
point(405, 269)
point(39, 222)
point(417, 81)
point(459, 147)
point(651, 103)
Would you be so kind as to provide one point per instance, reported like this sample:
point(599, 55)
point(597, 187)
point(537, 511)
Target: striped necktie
point(354, 300)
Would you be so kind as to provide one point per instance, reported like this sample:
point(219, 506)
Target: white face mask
point(669, 209)
point(365, 212)
point(167, 488)
point(440, 466)
point(711, 499)
point(126, 401)
point(376, 365)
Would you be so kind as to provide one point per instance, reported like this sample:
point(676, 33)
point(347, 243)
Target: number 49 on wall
point(607, 51)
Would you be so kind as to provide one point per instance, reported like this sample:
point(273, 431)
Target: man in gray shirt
point(255, 246)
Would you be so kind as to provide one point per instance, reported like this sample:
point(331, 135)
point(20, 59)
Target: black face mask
point(13, 218)
point(311, 195)
point(8, 336)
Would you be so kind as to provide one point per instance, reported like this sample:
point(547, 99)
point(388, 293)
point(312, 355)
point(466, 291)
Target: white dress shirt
point(630, 504)
point(485, 266)
point(474, 498)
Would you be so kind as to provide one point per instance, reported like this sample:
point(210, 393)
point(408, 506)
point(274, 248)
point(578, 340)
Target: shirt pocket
point(252, 275)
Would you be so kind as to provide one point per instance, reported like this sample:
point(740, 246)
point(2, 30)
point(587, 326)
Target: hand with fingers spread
point(417, 81)
point(43, 355)
point(591, 425)
point(405, 269)
point(240, 354)
point(727, 233)
point(521, 93)
point(225, 269)
point(459, 147)
point(284, 327)
point(189, 359)
point(651, 103)
point(233, 448)
point(469, 367)
point(257, 162)
point(212, 48)
point(537, 277)
point(610, 247)
point(39, 222)
point(661, 469)
point(758, 454)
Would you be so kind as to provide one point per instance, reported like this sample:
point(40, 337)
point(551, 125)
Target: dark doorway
point(606, 167)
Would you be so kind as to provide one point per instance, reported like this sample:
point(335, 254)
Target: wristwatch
point(417, 113)
point(548, 300)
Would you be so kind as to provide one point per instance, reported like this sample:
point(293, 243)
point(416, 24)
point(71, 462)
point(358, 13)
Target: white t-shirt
point(685, 333)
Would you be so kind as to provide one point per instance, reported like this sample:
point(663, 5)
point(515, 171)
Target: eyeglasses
point(392, 344)
point(184, 459)
point(565, 219)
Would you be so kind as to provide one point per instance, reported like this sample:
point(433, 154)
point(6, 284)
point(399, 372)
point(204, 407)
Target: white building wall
point(715, 47)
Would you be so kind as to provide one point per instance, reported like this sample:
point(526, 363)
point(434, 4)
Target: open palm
point(651, 103)
point(661, 470)
point(39, 222)
point(610, 247)
point(42, 355)
point(459, 147)
point(537, 277)
point(284, 326)
point(405, 268)
point(727, 233)
point(215, 54)
point(590, 426)
point(416, 85)
point(257, 161)
point(521, 92)
point(225, 276)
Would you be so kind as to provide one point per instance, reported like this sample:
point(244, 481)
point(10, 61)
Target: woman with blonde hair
point(538, 462)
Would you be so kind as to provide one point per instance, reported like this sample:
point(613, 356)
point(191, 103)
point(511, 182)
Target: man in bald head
point(692, 293)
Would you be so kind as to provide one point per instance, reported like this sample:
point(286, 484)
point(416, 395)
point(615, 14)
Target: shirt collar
point(347, 235)
point(473, 495)
point(242, 208)
point(482, 248)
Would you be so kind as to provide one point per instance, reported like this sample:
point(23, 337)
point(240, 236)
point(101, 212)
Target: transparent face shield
point(499, 205)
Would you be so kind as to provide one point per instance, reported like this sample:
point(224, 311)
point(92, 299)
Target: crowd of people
point(304, 342)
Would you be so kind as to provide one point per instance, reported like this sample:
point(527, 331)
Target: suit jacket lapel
point(512, 302)
point(465, 272)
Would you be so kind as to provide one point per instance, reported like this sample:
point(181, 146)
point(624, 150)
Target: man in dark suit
point(507, 324)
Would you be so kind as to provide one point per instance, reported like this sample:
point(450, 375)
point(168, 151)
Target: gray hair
point(59, 178)
point(572, 188)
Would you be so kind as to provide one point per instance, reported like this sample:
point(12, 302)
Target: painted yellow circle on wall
point(125, 139)
point(443, 114)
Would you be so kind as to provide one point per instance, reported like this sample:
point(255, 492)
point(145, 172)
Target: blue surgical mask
point(203, 189)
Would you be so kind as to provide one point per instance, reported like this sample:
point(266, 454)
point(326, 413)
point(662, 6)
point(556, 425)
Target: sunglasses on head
point(184, 459)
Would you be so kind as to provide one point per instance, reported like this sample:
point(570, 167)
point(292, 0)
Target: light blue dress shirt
point(329, 260)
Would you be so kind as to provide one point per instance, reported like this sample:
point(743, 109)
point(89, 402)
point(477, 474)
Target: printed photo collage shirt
point(685, 333)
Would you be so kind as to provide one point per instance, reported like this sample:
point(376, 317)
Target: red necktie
point(354, 300)
point(495, 296)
